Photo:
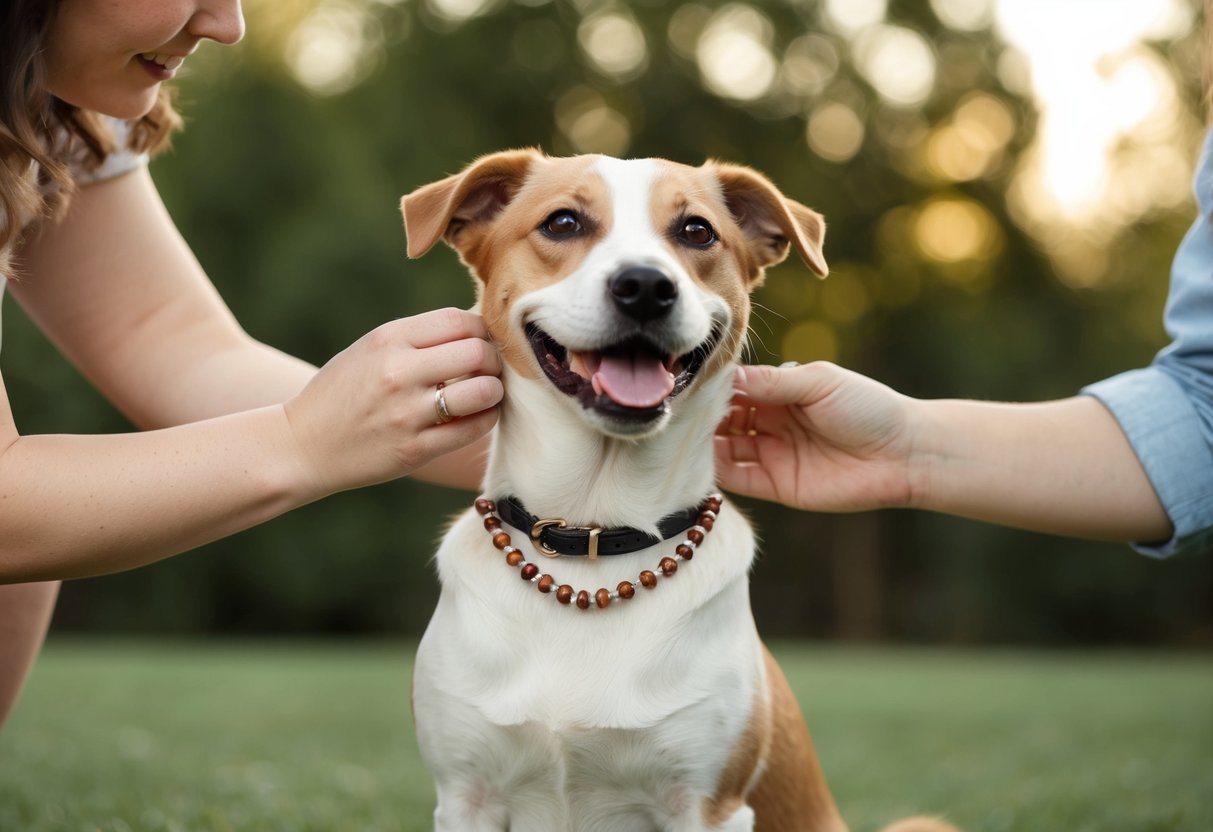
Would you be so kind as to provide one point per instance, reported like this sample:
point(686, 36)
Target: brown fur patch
point(749, 752)
point(792, 793)
point(512, 259)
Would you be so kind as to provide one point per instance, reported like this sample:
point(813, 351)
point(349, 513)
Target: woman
point(234, 432)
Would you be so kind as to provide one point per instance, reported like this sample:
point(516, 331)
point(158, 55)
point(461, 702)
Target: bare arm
point(1061, 467)
point(829, 439)
point(241, 432)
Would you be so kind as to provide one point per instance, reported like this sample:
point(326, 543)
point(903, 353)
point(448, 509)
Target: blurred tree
point(910, 126)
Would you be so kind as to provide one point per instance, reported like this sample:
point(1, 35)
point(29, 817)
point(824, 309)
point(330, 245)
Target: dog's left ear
point(772, 221)
point(448, 208)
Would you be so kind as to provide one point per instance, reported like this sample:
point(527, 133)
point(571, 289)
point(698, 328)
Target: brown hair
point(40, 132)
point(1208, 64)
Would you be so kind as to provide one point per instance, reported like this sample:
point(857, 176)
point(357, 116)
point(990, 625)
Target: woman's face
point(111, 55)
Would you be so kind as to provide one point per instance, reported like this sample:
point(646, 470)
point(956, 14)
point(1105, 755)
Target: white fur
point(535, 717)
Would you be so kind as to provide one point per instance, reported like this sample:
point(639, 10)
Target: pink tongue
point(633, 381)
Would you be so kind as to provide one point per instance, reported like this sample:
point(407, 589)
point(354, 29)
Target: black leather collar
point(556, 538)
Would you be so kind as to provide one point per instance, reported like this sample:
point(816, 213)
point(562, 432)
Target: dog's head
point(616, 285)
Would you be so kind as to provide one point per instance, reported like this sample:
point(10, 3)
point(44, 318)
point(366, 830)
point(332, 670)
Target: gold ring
point(443, 414)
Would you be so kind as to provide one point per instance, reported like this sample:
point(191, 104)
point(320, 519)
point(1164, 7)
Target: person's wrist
point(297, 476)
point(922, 454)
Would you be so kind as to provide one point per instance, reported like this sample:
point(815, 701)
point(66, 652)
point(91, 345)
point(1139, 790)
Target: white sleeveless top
point(116, 164)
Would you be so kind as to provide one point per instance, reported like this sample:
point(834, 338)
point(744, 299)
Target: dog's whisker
point(758, 307)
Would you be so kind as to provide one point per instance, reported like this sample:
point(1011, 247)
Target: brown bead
point(529, 571)
point(625, 589)
point(706, 521)
point(713, 504)
point(695, 536)
point(564, 593)
point(514, 558)
point(501, 540)
point(684, 551)
point(545, 583)
point(602, 598)
point(492, 523)
point(647, 579)
point(583, 600)
point(484, 506)
point(668, 566)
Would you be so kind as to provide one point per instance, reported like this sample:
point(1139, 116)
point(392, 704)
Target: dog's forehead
point(623, 185)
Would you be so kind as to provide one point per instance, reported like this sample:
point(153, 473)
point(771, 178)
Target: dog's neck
point(545, 454)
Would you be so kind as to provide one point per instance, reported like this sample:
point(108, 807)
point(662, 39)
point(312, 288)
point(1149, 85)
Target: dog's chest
point(518, 655)
point(618, 719)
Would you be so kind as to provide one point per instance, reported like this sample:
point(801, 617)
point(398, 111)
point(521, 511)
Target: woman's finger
point(799, 385)
point(463, 398)
point(457, 359)
point(438, 327)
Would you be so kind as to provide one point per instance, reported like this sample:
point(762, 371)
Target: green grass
point(127, 737)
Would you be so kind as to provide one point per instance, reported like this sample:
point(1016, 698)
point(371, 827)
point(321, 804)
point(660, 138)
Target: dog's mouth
point(632, 380)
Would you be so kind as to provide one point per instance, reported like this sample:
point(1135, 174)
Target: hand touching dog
point(369, 415)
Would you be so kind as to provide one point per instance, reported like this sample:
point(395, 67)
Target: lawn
point(216, 736)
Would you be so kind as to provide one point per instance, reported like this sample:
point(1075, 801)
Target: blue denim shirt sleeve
point(1166, 409)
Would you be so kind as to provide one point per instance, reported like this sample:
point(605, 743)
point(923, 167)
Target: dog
point(593, 663)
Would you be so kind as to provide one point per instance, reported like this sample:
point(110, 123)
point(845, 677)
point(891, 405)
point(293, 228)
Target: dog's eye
point(697, 232)
point(561, 224)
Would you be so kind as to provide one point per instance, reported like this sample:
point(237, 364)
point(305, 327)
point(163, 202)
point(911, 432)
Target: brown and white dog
point(627, 690)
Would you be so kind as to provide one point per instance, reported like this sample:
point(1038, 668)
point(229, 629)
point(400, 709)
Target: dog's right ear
point(448, 208)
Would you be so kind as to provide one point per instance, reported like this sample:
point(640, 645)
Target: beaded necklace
point(603, 598)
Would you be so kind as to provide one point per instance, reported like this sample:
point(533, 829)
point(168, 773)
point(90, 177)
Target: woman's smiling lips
point(160, 66)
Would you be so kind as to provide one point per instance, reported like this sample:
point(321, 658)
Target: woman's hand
point(371, 413)
point(816, 437)
point(823, 438)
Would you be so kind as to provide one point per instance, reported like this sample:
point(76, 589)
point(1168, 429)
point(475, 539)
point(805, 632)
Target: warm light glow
point(954, 230)
point(850, 16)
point(835, 132)
point(458, 10)
point(591, 125)
point(964, 15)
point(686, 25)
point(327, 50)
point(809, 64)
point(1097, 85)
point(734, 53)
point(614, 44)
point(897, 62)
point(971, 143)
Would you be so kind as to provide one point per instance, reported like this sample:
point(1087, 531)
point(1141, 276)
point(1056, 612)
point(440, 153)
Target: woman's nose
point(218, 20)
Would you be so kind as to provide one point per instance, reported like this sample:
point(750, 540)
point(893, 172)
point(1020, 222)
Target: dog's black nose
point(643, 293)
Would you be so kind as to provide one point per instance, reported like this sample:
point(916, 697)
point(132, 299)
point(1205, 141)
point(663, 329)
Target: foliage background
point(287, 183)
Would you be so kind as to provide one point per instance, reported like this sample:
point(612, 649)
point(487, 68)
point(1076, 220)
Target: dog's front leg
point(466, 807)
point(471, 804)
point(740, 821)
point(490, 778)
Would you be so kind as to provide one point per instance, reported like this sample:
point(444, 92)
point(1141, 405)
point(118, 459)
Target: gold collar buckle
point(560, 523)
